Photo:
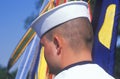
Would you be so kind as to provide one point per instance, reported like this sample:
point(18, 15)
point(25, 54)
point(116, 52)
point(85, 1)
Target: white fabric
point(59, 15)
point(87, 71)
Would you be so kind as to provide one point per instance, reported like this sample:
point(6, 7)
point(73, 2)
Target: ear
point(58, 44)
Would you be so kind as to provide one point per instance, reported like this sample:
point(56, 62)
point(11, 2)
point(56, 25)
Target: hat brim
point(59, 15)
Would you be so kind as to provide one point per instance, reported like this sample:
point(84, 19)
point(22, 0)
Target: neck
point(73, 57)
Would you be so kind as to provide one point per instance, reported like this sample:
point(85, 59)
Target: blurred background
point(15, 19)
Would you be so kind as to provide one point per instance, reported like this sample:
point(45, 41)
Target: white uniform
point(83, 71)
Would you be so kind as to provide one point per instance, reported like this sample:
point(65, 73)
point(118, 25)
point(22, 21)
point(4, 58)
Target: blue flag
point(27, 59)
point(105, 24)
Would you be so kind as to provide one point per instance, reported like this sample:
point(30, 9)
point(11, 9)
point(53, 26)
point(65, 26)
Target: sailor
point(66, 34)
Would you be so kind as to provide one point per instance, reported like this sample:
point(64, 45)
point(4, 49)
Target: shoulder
point(87, 71)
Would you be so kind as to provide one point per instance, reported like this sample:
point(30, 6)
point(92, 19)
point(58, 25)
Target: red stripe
point(64, 1)
point(90, 13)
point(57, 2)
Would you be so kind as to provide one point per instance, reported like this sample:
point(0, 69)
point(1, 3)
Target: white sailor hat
point(59, 15)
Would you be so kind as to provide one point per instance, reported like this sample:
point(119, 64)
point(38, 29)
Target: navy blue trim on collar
point(75, 64)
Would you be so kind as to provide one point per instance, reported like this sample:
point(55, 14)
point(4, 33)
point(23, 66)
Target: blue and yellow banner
point(105, 24)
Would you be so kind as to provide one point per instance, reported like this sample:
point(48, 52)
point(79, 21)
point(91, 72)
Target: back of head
point(77, 33)
point(70, 21)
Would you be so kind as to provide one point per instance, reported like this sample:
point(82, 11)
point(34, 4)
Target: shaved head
point(77, 33)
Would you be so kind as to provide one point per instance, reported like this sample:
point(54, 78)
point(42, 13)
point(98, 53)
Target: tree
point(34, 15)
point(5, 75)
point(117, 63)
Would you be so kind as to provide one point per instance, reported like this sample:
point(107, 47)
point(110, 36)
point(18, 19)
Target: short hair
point(76, 32)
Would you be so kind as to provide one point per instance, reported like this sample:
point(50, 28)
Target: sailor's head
point(64, 29)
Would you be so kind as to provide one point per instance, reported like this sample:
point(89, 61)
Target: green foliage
point(34, 15)
point(117, 63)
point(5, 75)
point(29, 20)
point(92, 5)
point(39, 4)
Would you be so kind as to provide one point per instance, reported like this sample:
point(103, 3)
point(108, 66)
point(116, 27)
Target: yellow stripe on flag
point(42, 66)
point(105, 33)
